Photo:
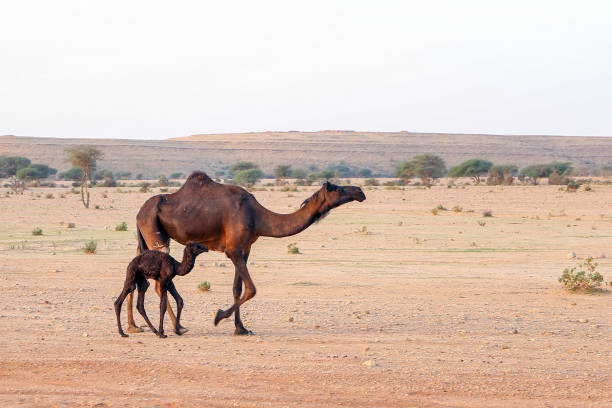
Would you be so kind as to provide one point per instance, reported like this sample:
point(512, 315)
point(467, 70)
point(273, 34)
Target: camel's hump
point(198, 178)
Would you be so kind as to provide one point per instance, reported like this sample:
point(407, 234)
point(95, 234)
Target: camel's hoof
point(181, 330)
point(219, 316)
point(134, 329)
point(161, 335)
point(243, 332)
point(124, 335)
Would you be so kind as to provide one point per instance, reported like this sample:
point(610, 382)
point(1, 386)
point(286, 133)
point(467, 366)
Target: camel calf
point(162, 268)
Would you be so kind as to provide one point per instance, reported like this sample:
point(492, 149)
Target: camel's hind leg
point(241, 276)
point(128, 288)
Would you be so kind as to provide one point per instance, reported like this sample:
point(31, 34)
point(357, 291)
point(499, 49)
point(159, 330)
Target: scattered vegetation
point(582, 277)
point(145, 187)
point(293, 249)
point(37, 231)
point(121, 226)
point(204, 286)
point(90, 246)
point(457, 209)
point(501, 174)
point(487, 213)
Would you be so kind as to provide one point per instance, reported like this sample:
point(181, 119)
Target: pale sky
point(159, 69)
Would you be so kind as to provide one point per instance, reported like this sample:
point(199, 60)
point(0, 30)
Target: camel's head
point(338, 195)
point(195, 248)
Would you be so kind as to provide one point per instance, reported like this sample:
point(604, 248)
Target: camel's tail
point(142, 245)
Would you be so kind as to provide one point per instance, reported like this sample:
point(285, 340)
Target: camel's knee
point(250, 292)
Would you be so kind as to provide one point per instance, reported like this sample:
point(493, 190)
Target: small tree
point(248, 177)
point(240, 166)
point(299, 174)
point(177, 175)
point(473, 168)
point(428, 167)
point(84, 157)
point(501, 174)
point(35, 172)
point(365, 173)
point(536, 171)
point(405, 171)
point(162, 180)
point(9, 165)
point(282, 172)
point(75, 173)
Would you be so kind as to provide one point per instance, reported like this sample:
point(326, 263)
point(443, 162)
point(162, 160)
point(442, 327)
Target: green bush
point(36, 231)
point(292, 248)
point(204, 286)
point(121, 226)
point(90, 246)
point(582, 277)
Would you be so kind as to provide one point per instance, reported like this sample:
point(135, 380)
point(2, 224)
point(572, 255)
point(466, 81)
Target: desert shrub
point(457, 209)
point(558, 179)
point(177, 175)
point(292, 248)
point(441, 207)
point(36, 231)
point(572, 186)
point(487, 213)
point(204, 286)
point(288, 189)
point(391, 183)
point(371, 182)
point(248, 177)
point(90, 246)
point(145, 187)
point(482, 223)
point(49, 196)
point(582, 277)
point(122, 226)
point(162, 180)
point(501, 174)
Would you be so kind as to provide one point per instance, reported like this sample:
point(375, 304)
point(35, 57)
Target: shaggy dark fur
point(162, 268)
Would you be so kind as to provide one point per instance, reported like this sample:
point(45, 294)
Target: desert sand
point(416, 309)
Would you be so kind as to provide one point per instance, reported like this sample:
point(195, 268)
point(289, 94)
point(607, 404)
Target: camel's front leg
point(241, 275)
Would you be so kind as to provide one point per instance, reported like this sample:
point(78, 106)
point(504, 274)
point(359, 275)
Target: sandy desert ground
point(422, 310)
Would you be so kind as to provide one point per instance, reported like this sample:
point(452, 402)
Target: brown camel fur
point(227, 219)
point(163, 268)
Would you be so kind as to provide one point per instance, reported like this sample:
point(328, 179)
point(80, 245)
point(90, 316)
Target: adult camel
point(227, 219)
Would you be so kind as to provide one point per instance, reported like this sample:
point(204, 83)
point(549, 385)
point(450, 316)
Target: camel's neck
point(271, 224)
point(186, 264)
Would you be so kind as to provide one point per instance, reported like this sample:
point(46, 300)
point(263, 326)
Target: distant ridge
point(378, 151)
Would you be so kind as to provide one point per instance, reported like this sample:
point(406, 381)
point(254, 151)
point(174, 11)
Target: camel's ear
point(328, 186)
